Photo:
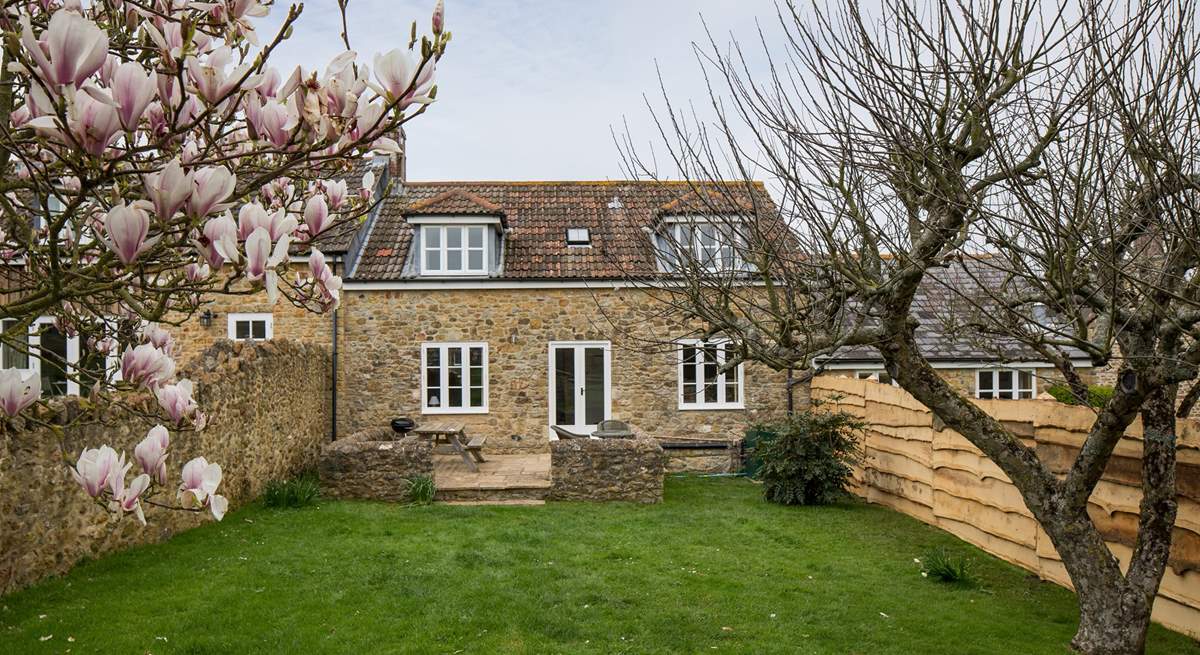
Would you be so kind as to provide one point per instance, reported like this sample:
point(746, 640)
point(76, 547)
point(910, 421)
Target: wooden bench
point(475, 447)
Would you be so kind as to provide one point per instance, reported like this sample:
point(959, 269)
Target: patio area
point(522, 479)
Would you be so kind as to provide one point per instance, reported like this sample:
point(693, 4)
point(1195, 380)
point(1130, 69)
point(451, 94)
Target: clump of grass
point(944, 567)
point(421, 490)
point(297, 492)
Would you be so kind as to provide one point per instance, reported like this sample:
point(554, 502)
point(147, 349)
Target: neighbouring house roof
point(337, 239)
point(950, 299)
point(535, 217)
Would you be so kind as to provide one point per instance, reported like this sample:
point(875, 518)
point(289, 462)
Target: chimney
point(397, 167)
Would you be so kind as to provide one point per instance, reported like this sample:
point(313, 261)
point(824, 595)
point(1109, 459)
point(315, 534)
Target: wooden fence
point(916, 466)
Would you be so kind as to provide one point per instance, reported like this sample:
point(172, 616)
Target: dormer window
point(455, 249)
point(579, 237)
point(699, 243)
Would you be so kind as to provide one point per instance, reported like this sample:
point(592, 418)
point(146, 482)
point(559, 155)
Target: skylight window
point(579, 236)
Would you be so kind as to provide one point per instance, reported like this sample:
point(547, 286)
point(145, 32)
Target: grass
point(713, 569)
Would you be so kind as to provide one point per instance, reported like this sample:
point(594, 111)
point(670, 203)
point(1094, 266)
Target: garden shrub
point(297, 492)
point(1098, 394)
point(421, 490)
point(807, 459)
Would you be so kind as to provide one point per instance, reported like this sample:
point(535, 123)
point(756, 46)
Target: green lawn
point(713, 569)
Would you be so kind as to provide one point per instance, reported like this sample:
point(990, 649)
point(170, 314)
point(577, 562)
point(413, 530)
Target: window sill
point(454, 410)
point(712, 407)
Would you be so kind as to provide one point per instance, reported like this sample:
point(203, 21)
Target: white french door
point(580, 384)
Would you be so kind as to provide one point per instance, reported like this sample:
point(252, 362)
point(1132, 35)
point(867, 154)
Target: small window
point(877, 376)
point(578, 236)
point(454, 378)
point(251, 327)
point(702, 382)
point(454, 249)
point(1005, 383)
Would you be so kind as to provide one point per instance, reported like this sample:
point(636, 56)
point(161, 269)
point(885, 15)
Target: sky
point(533, 89)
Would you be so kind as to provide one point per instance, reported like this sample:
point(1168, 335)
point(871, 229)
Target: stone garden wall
point(607, 469)
point(695, 459)
point(917, 466)
point(374, 465)
point(268, 408)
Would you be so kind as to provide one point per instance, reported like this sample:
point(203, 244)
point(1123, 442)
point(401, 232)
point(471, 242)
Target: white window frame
point(443, 376)
point(576, 242)
point(465, 249)
point(724, 254)
point(700, 403)
point(35, 355)
point(873, 375)
point(234, 318)
point(1016, 390)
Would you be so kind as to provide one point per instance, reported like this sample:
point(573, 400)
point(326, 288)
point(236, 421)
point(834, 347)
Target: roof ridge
point(757, 183)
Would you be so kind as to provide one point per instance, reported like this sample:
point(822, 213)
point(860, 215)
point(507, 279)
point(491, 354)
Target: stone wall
point(607, 469)
point(268, 413)
point(937, 476)
point(379, 372)
point(700, 457)
point(374, 465)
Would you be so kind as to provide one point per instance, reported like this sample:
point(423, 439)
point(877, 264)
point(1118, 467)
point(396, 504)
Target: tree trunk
point(1113, 623)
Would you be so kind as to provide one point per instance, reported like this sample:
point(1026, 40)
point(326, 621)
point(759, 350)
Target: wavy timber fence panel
point(916, 466)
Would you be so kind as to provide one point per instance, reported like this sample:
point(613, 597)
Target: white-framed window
point(454, 378)
point(876, 375)
point(1005, 383)
point(454, 249)
point(251, 327)
point(702, 383)
point(579, 237)
point(707, 244)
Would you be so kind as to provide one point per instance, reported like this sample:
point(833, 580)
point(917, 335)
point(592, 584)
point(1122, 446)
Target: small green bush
point(297, 492)
point(1098, 394)
point(807, 459)
point(421, 490)
point(944, 567)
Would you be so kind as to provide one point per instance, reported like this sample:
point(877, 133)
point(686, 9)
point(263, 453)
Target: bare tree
point(1054, 145)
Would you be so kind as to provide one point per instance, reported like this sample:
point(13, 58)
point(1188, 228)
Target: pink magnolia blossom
point(316, 215)
point(18, 390)
point(168, 189)
point(196, 272)
point(176, 399)
point(252, 216)
point(261, 260)
point(146, 365)
point(327, 284)
point(133, 89)
point(129, 499)
point(127, 227)
point(222, 235)
point(96, 468)
point(200, 482)
point(71, 49)
point(213, 184)
point(368, 186)
point(155, 335)
point(395, 71)
point(151, 453)
point(276, 122)
point(336, 190)
point(212, 81)
point(94, 123)
point(439, 17)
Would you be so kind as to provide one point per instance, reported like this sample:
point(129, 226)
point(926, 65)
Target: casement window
point(707, 245)
point(454, 249)
point(881, 377)
point(251, 327)
point(1005, 383)
point(454, 378)
point(702, 382)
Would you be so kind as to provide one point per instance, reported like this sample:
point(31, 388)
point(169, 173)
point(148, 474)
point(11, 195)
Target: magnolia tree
point(1050, 149)
point(151, 155)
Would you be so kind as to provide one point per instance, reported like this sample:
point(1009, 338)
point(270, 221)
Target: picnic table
point(454, 434)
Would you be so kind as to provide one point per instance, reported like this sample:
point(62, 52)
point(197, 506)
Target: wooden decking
point(502, 479)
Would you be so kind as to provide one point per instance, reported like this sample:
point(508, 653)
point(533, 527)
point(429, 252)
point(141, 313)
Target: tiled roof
point(336, 240)
point(537, 215)
point(949, 302)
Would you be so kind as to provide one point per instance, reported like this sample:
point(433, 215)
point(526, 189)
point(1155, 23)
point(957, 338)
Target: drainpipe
point(791, 403)
point(334, 364)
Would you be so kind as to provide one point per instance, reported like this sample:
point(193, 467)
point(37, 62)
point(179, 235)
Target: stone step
point(515, 502)
point(493, 493)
